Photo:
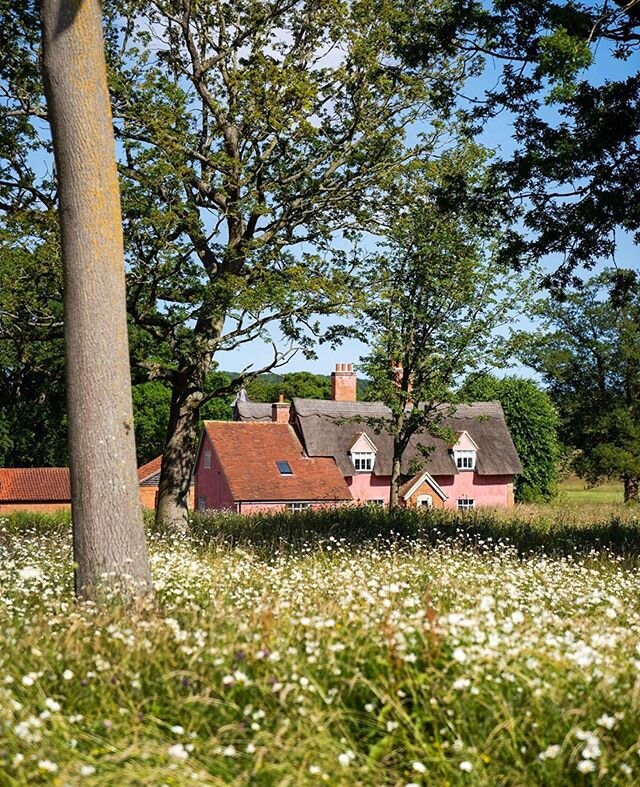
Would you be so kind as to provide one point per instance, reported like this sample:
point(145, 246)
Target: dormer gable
point(363, 453)
point(464, 452)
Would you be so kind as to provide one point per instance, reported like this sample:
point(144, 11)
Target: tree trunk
point(172, 511)
point(108, 534)
point(631, 489)
point(395, 482)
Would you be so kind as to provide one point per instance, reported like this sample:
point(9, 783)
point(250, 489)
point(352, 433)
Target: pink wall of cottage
point(487, 491)
point(211, 483)
point(366, 486)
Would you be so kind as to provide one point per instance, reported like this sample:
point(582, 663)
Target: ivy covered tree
point(588, 354)
point(533, 424)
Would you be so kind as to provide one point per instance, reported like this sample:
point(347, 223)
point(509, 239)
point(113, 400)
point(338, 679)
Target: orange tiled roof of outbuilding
point(34, 484)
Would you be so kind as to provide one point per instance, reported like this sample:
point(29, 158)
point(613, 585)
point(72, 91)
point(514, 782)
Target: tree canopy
point(588, 354)
point(248, 160)
point(564, 78)
point(533, 424)
point(436, 297)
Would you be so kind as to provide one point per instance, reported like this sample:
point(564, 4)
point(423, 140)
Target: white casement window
point(377, 502)
point(207, 460)
point(424, 501)
point(363, 462)
point(298, 506)
point(465, 460)
point(466, 503)
point(202, 504)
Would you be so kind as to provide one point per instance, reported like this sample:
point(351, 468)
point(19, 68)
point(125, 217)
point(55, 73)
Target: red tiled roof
point(49, 484)
point(151, 468)
point(34, 484)
point(248, 452)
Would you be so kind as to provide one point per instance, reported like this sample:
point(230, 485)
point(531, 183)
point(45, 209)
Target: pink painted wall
point(367, 486)
point(492, 490)
point(211, 483)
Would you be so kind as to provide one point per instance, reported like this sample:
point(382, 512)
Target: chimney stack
point(280, 411)
point(343, 383)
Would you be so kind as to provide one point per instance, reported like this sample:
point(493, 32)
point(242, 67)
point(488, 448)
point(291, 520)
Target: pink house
point(261, 466)
point(476, 469)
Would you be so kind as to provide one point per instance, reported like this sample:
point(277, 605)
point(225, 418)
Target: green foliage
point(304, 385)
point(575, 168)
point(151, 401)
point(151, 405)
point(589, 356)
point(533, 424)
point(436, 294)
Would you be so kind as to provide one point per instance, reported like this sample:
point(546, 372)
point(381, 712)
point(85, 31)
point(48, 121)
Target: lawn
point(417, 651)
point(574, 490)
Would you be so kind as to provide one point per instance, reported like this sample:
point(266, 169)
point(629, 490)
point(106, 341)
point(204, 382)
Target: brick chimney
point(398, 373)
point(343, 383)
point(280, 411)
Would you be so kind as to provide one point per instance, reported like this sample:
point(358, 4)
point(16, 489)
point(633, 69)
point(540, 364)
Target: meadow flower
point(52, 705)
point(459, 655)
point(466, 766)
point(47, 765)
point(229, 751)
point(419, 767)
point(346, 758)
point(550, 753)
point(586, 766)
point(87, 770)
point(67, 675)
point(178, 752)
point(30, 573)
point(608, 722)
point(177, 729)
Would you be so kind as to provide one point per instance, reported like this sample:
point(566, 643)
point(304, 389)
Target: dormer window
point(363, 453)
point(363, 463)
point(465, 452)
point(465, 460)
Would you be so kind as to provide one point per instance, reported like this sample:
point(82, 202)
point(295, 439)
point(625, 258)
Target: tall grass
point(554, 534)
point(344, 647)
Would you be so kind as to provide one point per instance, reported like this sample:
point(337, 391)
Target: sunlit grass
point(326, 649)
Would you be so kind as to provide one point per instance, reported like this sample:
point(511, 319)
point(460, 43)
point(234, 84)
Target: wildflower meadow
point(329, 648)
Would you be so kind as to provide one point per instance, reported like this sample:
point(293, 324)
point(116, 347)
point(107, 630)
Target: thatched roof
point(327, 428)
point(252, 411)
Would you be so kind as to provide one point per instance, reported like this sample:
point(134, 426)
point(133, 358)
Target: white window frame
point(465, 460)
point(376, 502)
point(363, 461)
point(298, 506)
point(466, 504)
point(202, 504)
point(207, 459)
point(422, 499)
